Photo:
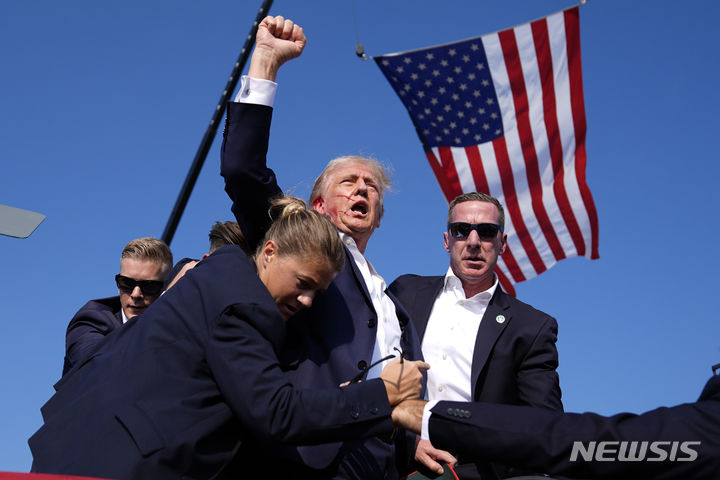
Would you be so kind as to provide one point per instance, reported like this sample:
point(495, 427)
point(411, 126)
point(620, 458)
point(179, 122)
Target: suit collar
point(425, 297)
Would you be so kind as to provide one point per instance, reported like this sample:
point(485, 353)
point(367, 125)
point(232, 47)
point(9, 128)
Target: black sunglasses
point(463, 229)
point(147, 287)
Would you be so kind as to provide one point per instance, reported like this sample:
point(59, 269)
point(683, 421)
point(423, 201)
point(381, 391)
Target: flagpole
point(209, 136)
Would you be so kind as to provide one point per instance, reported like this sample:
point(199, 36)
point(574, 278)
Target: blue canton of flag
point(449, 93)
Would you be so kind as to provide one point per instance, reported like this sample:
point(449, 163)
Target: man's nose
point(136, 292)
point(473, 240)
point(361, 188)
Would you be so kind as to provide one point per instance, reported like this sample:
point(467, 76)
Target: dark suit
point(88, 327)
point(173, 392)
point(333, 340)
point(513, 362)
point(543, 440)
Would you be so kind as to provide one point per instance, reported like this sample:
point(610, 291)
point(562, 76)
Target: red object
point(41, 476)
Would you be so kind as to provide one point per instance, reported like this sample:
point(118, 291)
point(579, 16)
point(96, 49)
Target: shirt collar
point(350, 244)
point(453, 284)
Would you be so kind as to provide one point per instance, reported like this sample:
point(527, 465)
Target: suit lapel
point(357, 274)
point(425, 297)
point(488, 333)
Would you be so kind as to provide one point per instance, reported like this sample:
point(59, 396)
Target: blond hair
point(300, 232)
point(150, 249)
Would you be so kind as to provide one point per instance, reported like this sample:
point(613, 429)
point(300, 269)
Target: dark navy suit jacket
point(88, 328)
point(514, 361)
point(542, 440)
point(334, 339)
point(175, 391)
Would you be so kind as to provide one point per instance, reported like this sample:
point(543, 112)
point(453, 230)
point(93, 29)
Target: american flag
point(504, 114)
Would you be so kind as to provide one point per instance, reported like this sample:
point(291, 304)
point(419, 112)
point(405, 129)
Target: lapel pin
point(500, 319)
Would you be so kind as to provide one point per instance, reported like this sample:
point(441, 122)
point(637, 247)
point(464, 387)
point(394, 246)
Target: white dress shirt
point(388, 327)
point(449, 340)
point(256, 90)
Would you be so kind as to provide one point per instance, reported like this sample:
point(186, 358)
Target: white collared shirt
point(388, 327)
point(449, 340)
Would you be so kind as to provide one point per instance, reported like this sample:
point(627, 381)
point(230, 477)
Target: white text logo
point(658, 451)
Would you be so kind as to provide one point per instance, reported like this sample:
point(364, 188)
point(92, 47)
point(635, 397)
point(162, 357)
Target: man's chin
point(131, 312)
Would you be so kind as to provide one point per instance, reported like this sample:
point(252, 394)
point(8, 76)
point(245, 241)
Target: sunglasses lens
point(147, 287)
point(460, 229)
point(151, 287)
point(463, 229)
point(124, 283)
point(487, 230)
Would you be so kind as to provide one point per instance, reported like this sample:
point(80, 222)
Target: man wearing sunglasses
point(483, 345)
point(144, 263)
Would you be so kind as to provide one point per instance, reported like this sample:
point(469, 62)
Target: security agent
point(680, 442)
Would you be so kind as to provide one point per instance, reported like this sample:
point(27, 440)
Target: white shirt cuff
point(256, 90)
point(425, 432)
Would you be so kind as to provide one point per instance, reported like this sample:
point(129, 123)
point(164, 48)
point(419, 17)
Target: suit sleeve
point(248, 373)
point(248, 182)
point(85, 331)
point(538, 382)
point(542, 440)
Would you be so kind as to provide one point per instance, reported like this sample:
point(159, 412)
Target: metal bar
point(211, 131)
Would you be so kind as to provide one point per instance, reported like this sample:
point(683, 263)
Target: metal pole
point(209, 136)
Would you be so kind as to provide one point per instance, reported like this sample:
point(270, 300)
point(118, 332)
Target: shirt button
point(362, 364)
point(440, 388)
point(372, 322)
point(444, 356)
point(374, 410)
point(355, 414)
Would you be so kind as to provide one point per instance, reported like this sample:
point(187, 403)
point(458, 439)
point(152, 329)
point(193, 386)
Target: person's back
point(151, 374)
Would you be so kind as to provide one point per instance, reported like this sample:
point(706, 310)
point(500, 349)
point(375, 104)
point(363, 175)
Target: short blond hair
point(150, 249)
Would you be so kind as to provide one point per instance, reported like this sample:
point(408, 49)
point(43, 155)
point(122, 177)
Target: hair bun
point(285, 206)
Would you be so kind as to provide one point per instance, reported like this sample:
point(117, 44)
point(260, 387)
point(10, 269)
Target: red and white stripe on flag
point(504, 114)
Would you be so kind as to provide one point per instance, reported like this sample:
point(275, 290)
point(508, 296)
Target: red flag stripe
point(445, 174)
point(504, 282)
point(478, 172)
point(512, 205)
point(509, 46)
point(544, 62)
point(572, 35)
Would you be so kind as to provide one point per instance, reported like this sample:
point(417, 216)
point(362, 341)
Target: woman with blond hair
point(175, 392)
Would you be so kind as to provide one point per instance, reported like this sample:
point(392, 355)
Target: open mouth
point(359, 208)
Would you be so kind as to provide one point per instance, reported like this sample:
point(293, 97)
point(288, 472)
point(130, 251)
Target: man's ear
point(446, 241)
point(318, 204)
point(503, 243)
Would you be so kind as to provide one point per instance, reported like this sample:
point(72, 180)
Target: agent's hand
point(278, 40)
point(182, 272)
point(403, 379)
point(408, 415)
point(429, 456)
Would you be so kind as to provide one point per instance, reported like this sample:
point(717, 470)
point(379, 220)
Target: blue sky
point(103, 105)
